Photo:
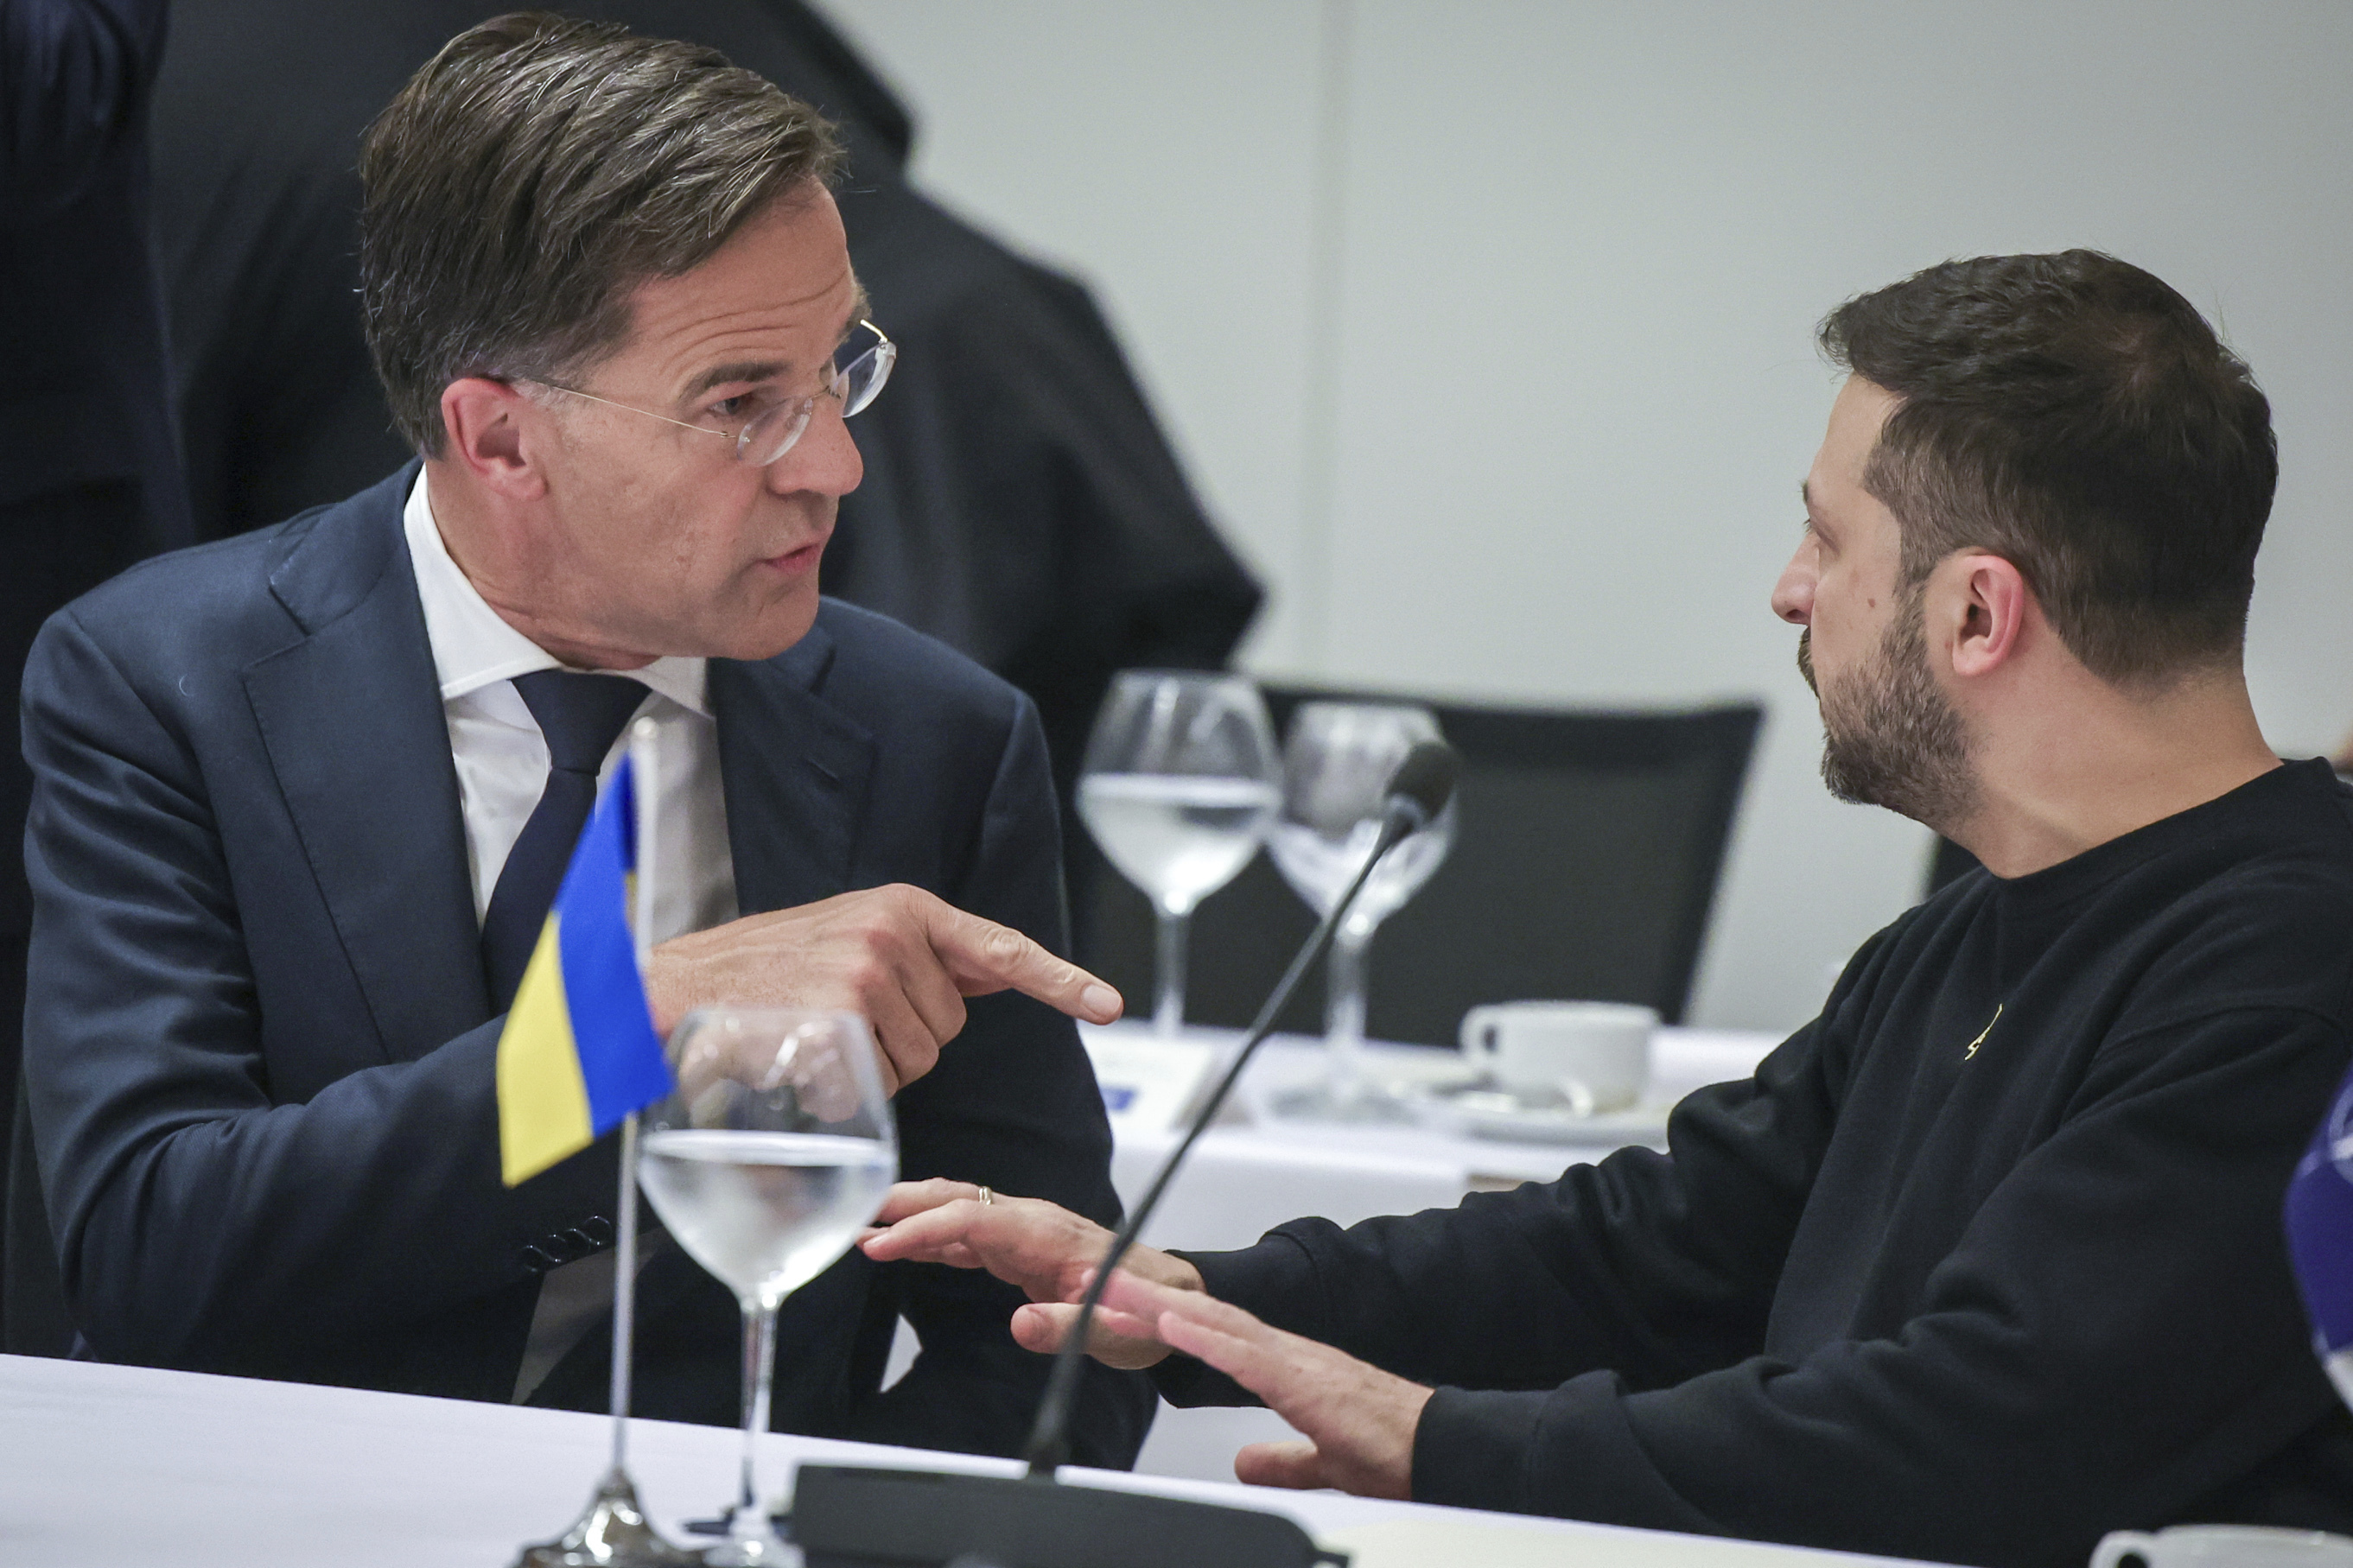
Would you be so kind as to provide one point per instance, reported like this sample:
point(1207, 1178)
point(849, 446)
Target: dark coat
point(89, 477)
point(82, 381)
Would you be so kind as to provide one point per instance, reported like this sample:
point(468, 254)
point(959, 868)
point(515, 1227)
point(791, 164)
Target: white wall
point(1485, 327)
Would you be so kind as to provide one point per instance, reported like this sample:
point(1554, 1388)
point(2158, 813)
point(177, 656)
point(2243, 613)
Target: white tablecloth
point(1245, 1177)
point(105, 1466)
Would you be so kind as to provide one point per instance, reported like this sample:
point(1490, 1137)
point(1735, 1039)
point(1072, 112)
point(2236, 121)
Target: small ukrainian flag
point(579, 1052)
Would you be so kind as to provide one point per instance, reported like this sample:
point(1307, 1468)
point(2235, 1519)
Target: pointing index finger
point(983, 957)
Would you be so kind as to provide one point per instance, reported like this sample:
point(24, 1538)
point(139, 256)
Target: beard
point(1891, 737)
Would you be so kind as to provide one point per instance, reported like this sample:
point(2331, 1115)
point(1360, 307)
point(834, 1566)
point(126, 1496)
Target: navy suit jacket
point(259, 1042)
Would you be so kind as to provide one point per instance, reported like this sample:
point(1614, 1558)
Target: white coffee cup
point(1595, 1056)
point(2222, 1546)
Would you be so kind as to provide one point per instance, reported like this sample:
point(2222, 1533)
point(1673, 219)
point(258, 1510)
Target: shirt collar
point(473, 645)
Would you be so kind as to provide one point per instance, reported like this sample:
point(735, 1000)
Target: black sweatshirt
point(1983, 1262)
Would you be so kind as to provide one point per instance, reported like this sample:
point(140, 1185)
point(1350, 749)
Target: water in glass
point(1176, 837)
point(774, 1152)
point(1180, 783)
point(765, 1212)
point(1336, 767)
point(1320, 868)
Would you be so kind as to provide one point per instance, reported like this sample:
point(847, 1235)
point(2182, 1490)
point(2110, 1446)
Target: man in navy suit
point(284, 818)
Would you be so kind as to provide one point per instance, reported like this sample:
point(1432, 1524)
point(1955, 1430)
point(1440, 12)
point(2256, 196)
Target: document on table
point(1150, 1085)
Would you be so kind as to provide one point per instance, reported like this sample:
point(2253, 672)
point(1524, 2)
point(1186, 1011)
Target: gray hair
point(535, 171)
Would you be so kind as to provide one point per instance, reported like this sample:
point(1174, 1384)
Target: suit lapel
point(351, 718)
point(795, 774)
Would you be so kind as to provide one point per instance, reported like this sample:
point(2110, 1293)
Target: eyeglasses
point(771, 431)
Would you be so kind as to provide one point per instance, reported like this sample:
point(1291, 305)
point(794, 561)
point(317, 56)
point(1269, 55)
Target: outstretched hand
point(1047, 1252)
point(1359, 1420)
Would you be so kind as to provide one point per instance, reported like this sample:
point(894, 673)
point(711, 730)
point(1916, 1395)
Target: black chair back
point(1586, 858)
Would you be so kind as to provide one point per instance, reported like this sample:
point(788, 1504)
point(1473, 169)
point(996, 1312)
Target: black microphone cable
point(1417, 791)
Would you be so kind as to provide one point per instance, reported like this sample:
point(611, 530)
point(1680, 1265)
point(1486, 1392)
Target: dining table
point(126, 1466)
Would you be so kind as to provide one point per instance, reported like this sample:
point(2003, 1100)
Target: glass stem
point(1344, 1011)
point(750, 1520)
point(1168, 1014)
point(625, 1293)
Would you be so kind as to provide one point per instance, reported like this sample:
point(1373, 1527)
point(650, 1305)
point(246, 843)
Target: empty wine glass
point(776, 1150)
point(1180, 784)
point(1336, 768)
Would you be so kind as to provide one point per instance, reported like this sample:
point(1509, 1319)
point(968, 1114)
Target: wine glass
point(1336, 768)
point(1179, 785)
point(773, 1153)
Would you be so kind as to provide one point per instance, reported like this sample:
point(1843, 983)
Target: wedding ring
point(986, 1196)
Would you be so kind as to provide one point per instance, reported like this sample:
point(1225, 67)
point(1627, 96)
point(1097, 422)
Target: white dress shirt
point(502, 760)
point(502, 766)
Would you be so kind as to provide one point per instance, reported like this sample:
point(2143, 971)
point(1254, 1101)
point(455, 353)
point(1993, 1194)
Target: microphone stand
point(1049, 1444)
point(847, 1515)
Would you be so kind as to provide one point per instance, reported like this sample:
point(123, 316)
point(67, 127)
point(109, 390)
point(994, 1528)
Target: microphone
point(1418, 792)
point(845, 1514)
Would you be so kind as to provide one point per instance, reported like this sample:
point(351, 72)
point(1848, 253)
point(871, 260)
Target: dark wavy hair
point(537, 169)
point(2076, 416)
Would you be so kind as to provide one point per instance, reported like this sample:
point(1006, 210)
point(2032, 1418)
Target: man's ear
point(483, 430)
point(1985, 606)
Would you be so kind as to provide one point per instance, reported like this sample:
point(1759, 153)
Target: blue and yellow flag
point(579, 1052)
point(2320, 1237)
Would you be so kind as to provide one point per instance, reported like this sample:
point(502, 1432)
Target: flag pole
point(615, 1532)
point(645, 781)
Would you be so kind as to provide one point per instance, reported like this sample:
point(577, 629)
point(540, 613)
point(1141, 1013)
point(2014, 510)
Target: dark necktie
point(581, 716)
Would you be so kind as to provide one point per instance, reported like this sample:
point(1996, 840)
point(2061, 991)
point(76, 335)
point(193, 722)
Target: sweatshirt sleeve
point(2116, 1335)
point(1657, 1266)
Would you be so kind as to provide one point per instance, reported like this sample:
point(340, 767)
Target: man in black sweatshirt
point(1985, 1260)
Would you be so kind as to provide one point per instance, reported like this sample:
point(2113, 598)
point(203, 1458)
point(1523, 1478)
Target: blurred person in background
point(90, 480)
point(1987, 1260)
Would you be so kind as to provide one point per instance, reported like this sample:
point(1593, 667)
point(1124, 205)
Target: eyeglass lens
point(772, 434)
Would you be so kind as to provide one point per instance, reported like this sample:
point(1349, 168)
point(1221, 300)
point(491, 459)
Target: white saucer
point(1477, 1107)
